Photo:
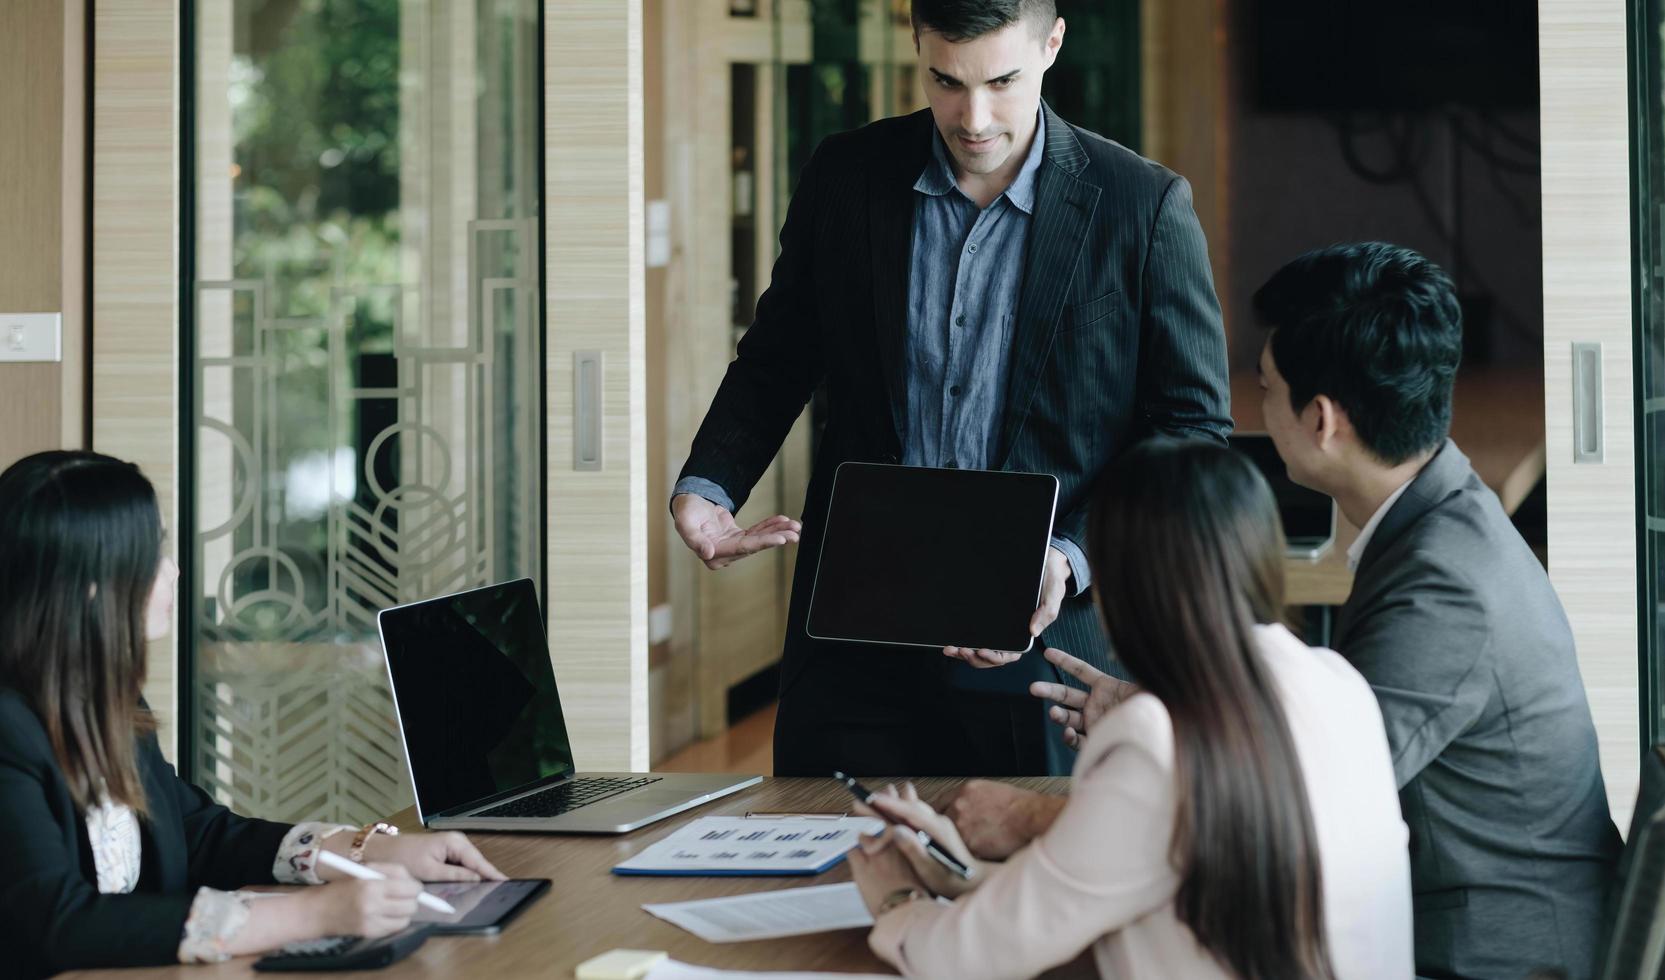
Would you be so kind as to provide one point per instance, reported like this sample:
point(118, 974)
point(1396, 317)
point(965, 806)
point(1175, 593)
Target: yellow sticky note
point(621, 964)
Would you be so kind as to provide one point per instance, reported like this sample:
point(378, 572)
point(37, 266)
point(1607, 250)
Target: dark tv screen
point(1354, 55)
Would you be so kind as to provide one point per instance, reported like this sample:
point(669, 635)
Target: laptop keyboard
point(568, 796)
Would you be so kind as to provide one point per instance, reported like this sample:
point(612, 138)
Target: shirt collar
point(1355, 551)
point(937, 178)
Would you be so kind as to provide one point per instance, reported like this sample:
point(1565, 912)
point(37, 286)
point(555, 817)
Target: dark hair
point(80, 549)
point(1377, 328)
point(1187, 550)
point(963, 20)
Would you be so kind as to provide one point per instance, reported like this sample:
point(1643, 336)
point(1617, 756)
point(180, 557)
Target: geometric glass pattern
point(367, 371)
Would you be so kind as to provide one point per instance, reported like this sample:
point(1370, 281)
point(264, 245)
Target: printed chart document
point(768, 915)
point(751, 846)
point(674, 970)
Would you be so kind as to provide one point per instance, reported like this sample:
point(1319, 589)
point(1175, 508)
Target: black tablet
point(483, 907)
point(931, 557)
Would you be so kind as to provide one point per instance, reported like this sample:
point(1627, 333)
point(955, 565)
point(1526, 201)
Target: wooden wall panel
point(597, 586)
point(1587, 264)
point(135, 272)
point(1184, 73)
point(33, 118)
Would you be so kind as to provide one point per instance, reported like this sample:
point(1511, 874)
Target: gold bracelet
point(899, 898)
point(356, 852)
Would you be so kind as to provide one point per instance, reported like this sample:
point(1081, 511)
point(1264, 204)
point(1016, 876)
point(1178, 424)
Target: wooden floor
point(747, 746)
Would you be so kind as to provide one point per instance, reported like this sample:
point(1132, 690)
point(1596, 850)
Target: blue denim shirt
point(965, 276)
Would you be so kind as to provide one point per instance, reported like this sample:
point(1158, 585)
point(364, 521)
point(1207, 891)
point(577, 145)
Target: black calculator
point(345, 952)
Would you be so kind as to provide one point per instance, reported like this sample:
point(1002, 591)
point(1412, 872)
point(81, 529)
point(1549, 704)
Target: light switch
point(31, 337)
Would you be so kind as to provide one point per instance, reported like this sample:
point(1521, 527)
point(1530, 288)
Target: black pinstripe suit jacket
point(1118, 336)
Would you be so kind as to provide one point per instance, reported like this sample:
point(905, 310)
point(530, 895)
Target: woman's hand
point(447, 856)
point(907, 812)
point(363, 908)
point(881, 870)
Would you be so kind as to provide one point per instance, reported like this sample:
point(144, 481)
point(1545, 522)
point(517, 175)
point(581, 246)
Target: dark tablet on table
point(932, 557)
point(483, 907)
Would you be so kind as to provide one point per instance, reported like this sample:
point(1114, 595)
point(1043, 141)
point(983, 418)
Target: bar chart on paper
point(751, 846)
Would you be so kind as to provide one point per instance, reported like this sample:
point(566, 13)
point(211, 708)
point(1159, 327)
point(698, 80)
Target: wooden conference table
point(589, 911)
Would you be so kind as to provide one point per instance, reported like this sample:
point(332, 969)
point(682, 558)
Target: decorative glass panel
point(366, 379)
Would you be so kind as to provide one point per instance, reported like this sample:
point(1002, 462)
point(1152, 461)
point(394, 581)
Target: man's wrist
point(1039, 815)
point(1080, 575)
point(699, 486)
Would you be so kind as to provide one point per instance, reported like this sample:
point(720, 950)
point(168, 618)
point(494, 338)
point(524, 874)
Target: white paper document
point(768, 915)
point(751, 846)
point(673, 970)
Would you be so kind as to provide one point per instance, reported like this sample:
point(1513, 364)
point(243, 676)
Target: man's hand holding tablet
point(1054, 586)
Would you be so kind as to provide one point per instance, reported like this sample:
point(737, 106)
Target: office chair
point(1636, 949)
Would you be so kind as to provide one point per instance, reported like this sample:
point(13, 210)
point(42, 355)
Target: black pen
point(943, 858)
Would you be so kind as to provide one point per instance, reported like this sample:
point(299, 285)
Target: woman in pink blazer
point(1236, 816)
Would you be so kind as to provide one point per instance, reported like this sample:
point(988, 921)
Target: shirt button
point(972, 248)
point(952, 464)
point(955, 391)
point(959, 321)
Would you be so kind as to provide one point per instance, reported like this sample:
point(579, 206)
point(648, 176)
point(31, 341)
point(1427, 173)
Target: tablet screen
point(932, 557)
point(482, 906)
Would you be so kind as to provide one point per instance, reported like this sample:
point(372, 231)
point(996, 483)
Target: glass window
point(365, 374)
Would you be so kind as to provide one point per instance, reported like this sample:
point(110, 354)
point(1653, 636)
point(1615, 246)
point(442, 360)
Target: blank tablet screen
point(932, 557)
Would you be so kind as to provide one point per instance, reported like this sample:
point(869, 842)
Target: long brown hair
point(80, 549)
point(1187, 550)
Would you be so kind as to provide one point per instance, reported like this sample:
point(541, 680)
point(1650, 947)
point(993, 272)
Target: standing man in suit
point(1451, 619)
point(980, 285)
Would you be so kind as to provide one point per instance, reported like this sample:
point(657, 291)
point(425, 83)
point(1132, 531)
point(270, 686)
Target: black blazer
point(1117, 337)
point(52, 915)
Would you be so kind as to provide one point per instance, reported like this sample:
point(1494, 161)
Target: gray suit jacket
point(1454, 624)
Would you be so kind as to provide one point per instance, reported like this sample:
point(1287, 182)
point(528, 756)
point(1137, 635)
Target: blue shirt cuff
point(701, 487)
point(1080, 574)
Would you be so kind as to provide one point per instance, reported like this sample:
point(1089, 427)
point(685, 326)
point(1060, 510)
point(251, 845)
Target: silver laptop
point(483, 730)
point(1308, 516)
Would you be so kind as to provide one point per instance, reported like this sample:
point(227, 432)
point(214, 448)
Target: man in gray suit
point(1451, 619)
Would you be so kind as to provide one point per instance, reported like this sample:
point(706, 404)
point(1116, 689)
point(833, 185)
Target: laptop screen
point(1305, 512)
point(476, 695)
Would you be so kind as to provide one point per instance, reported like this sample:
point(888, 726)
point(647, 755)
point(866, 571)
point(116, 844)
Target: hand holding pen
point(926, 838)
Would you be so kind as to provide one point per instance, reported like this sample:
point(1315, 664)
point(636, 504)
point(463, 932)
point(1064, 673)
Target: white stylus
point(347, 867)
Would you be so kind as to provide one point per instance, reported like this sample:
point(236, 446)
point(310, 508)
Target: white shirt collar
point(1355, 551)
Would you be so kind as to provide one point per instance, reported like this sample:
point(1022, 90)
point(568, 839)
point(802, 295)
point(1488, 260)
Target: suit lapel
point(1442, 476)
point(890, 222)
point(1064, 208)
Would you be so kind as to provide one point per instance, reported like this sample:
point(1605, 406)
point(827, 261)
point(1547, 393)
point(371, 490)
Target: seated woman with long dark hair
point(108, 857)
point(1237, 817)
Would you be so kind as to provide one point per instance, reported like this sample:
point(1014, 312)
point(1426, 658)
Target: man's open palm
point(711, 532)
